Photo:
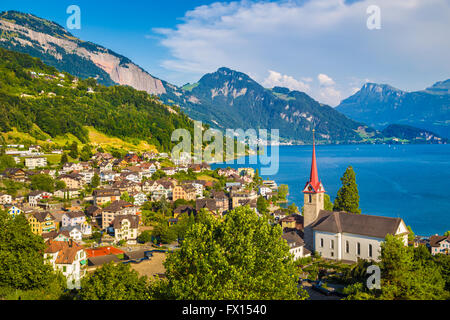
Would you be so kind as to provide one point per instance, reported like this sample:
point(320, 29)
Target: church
point(342, 235)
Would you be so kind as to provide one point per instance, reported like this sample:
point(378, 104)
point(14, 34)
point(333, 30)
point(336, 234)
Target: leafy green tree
point(64, 159)
point(348, 197)
point(114, 282)
point(411, 234)
point(42, 182)
point(447, 233)
point(74, 150)
point(283, 191)
point(159, 174)
point(239, 257)
point(327, 204)
point(60, 185)
point(95, 182)
point(6, 161)
point(145, 236)
point(126, 197)
point(86, 153)
point(22, 264)
point(262, 205)
point(292, 208)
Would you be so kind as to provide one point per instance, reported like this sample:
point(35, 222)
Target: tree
point(126, 197)
point(86, 153)
point(145, 236)
point(447, 233)
point(95, 182)
point(64, 159)
point(60, 185)
point(74, 150)
point(348, 197)
point(6, 161)
point(262, 205)
point(292, 208)
point(283, 191)
point(42, 182)
point(411, 234)
point(114, 282)
point(22, 263)
point(239, 257)
point(327, 205)
point(406, 274)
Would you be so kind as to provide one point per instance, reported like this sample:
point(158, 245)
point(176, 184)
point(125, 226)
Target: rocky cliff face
point(55, 46)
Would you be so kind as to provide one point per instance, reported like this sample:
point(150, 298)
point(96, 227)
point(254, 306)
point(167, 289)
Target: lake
point(407, 181)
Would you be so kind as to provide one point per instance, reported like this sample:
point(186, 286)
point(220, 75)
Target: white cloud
point(308, 37)
point(276, 79)
point(325, 80)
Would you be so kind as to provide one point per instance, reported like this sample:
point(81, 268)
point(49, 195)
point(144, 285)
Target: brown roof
point(361, 224)
point(75, 214)
point(41, 215)
point(184, 208)
point(117, 206)
point(435, 240)
point(293, 238)
point(93, 211)
point(97, 261)
point(106, 192)
point(209, 204)
point(134, 221)
point(66, 250)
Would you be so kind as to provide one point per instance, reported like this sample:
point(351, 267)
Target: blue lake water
point(407, 181)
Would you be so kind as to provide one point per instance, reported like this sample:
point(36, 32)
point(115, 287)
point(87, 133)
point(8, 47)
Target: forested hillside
point(34, 94)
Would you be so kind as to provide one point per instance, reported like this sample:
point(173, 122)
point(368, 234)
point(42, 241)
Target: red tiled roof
point(104, 251)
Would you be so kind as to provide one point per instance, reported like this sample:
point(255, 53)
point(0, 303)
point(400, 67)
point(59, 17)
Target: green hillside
point(39, 100)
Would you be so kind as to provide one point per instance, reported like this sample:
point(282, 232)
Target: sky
point(322, 47)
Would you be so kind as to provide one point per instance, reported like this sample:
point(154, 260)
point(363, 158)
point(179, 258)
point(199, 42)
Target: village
point(103, 210)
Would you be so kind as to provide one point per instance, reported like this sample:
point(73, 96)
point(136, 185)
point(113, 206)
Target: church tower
point(313, 195)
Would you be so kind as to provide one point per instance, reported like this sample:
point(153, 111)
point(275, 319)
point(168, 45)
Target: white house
point(69, 258)
point(263, 191)
point(5, 198)
point(35, 162)
point(72, 218)
point(296, 245)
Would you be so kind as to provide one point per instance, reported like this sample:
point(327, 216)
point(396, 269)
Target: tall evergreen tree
point(64, 159)
point(348, 197)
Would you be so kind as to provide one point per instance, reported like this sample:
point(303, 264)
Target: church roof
point(360, 224)
point(313, 181)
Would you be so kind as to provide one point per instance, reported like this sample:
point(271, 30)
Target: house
point(56, 236)
point(198, 185)
point(222, 201)
point(139, 198)
point(186, 192)
point(127, 186)
point(149, 186)
point(439, 244)
point(13, 210)
point(35, 196)
point(72, 180)
point(73, 218)
point(149, 155)
point(102, 196)
point(206, 204)
point(106, 166)
point(73, 232)
point(180, 210)
point(227, 172)
point(270, 184)
point(164, 188)
point(35, 162)
point(238, 197)
point(109, 176)
point(93, 211)
point(291, 222)
point(87, 176)
point(126, 228)
point(246, 171)
point(264, 191)
point(199, 167)
point(41, 222)
point(296, 245)
point(5, 198)
point(15, 174)
point(117, 208)
point(70, 167)
point(342, 235)
point(131, 176)
point(67, 193)
point(132, 158)
point(170, 171)
point(69, 258)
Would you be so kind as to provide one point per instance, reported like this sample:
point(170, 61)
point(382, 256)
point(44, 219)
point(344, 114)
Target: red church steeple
point(313, 185)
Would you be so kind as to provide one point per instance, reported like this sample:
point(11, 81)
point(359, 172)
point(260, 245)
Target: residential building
point(186, 192)
point(35, 162)
point(126, 228)
point(72, 180)
point(296, 245)
point(103, 196)
point(69, 258)
point(5, 198)
point(439, 244)
point(41, 222)
point(117, 208)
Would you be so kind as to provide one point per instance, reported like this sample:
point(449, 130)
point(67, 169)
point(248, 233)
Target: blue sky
point(322, 47)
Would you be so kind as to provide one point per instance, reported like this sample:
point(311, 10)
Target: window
point(370, 250)
point(358, 249)
point(331, 244)
point(347, 246)
point(321, 242)
point(310, 198)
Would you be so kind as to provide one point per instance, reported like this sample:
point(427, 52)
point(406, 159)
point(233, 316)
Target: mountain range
point(379, 105)
point(225, 98)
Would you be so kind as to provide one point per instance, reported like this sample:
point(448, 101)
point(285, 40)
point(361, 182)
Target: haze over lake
point(407, 181)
